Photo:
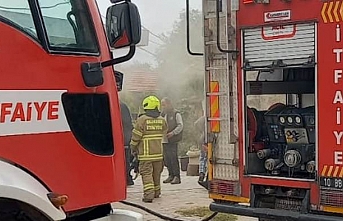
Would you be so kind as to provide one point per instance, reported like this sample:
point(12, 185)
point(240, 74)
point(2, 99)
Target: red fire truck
point(61, 145)
point(274, 107)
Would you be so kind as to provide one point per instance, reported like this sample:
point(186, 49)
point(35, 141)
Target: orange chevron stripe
point(323, 12)
point(214, 99)
point(332, 11)
point(324, 170)
point(215, 126)
point(336, 171)
point(335, 11)
point(216, 114)
point(330, 171)
point(214, 86)
point(214, 108)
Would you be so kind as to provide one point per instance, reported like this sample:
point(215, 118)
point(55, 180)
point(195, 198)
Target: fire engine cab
point(61, 141)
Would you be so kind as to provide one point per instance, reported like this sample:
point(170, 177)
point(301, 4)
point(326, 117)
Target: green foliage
point(190, 135)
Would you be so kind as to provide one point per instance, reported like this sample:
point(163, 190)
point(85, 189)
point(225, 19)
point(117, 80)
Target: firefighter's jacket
point(147, 138)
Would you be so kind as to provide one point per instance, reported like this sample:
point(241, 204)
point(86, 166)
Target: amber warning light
point(256, 1)
point(58, 200)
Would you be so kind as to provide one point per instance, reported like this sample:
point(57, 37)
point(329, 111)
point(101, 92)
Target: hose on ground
point(210, 217)
point(161, 215)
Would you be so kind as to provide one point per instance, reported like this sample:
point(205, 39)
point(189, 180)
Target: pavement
point(188, 194)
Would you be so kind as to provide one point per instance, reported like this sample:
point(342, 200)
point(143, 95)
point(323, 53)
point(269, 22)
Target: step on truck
point(61, 141)
point(273, 78)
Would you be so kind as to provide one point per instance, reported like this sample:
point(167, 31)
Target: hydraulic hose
point(161, 215)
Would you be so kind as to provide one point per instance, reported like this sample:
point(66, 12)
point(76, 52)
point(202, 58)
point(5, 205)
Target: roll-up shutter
point(293, 44)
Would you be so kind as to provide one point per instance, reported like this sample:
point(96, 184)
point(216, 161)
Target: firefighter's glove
point(134, 153)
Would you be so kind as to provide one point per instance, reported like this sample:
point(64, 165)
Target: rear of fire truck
point(61, 141)
point(274, 99)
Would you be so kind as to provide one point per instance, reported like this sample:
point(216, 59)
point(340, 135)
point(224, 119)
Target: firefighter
point(146, 144)
point(127, 131)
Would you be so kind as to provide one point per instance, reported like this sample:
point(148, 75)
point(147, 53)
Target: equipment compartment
point(280, 114)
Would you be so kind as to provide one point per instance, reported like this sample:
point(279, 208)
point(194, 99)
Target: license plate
point(331, 182)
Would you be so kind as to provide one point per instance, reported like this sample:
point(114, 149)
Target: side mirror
point(123, 25)
point(119, 79)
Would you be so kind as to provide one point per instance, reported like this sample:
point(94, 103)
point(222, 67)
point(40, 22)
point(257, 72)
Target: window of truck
point(18, 14)
point(68, 25)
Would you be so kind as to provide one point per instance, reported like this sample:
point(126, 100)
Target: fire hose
point(163, 216)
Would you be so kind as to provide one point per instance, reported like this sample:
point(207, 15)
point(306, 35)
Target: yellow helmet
point(151, 103)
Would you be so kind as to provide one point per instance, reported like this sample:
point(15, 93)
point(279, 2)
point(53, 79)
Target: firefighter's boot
point(146, 170)
point(147, 200)
point(168, 180)
point(158, 167)
point(201, 177)
point(176, 180)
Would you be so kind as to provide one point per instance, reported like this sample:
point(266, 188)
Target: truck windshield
point(68, 25)
point(18, 14)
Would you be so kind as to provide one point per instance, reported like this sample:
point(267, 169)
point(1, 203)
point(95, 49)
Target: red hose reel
point(254, 127)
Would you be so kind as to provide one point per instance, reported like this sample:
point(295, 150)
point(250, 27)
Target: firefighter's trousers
point(151, 177)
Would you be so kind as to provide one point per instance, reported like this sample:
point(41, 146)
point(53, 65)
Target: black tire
point(265, 219)
point(11, 210)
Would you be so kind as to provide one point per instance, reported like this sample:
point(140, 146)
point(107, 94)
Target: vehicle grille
point(331, 198)
point(288, 204)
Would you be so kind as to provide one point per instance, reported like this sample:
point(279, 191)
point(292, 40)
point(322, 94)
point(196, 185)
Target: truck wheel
point(11, 210)
point(265, 219)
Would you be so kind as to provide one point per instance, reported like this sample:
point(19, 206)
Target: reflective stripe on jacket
point(147, 138)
